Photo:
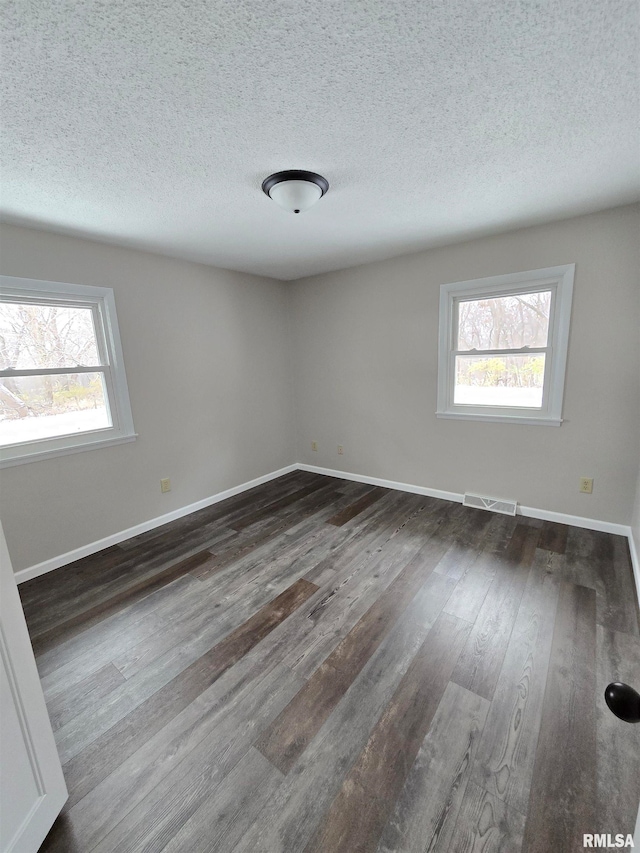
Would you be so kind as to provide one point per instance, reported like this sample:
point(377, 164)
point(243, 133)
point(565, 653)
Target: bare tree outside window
point(63, 386)
point(47, 337)
point(507, 322)
point(502, 346)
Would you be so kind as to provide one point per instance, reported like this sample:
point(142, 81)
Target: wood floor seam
point(121, 740)
point(284, 741)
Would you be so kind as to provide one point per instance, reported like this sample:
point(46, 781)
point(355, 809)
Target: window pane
point(33, 336)
point(512, 380)
point(504, 322)
point(35, 407)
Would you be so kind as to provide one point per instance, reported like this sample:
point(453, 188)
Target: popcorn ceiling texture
point(153, 122)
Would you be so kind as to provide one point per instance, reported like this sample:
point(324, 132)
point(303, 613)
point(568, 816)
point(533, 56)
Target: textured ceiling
point(153, 122)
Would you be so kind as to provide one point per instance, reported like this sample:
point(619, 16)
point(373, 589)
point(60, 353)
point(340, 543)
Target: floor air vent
point(492, 504)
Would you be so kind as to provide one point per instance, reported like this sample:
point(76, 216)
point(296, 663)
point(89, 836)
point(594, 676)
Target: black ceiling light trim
point(295, 175)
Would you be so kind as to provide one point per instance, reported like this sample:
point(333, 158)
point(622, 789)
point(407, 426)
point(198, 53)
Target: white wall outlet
point(586, 485)
point(314, 445)
point(165, 485)
point(340, 450)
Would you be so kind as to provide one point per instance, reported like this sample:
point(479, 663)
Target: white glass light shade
point(295, 196)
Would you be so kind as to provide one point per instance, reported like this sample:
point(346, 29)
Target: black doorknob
point(624, 701)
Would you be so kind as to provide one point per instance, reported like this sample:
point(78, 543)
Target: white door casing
point(32, 787)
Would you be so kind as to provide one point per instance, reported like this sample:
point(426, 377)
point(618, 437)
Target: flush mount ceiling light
point(295, 190)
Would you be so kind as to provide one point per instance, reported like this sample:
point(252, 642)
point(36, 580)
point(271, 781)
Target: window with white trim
point(63, 386)
point(503, 347)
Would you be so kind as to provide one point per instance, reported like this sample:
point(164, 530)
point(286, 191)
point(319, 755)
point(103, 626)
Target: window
point(503, 347)
point(62, 382)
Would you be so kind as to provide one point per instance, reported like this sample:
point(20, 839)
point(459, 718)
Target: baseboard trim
point(528, 511)
point(575, 520)
point(531, 512)
point(85, 550)
point(387, 484)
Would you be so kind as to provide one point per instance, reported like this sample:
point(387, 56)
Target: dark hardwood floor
point(319, 665)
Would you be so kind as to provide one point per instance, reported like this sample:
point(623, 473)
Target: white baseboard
point(528, 511)
point(575, 520)
point(546, 515)
point(85, 550)
point(387, 484)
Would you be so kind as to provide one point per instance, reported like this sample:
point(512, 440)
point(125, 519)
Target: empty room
point(320, 426)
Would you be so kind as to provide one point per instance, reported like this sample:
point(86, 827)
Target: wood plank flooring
point(320, 665)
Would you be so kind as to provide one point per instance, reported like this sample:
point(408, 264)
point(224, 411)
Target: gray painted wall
point(207, 358)
point(365, 368)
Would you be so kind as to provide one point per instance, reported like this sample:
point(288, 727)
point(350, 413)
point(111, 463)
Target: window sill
point(501, 419)
point(36, 456)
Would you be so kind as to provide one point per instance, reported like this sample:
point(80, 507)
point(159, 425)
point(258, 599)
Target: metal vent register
point(492, 504)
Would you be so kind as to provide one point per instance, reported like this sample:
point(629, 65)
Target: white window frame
point(559, 280)
point(102, 303)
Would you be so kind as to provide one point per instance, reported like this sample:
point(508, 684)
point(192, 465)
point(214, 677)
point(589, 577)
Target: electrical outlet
point(586, 485)
point(340, 450)
point(314, 445)
point(165, 485)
